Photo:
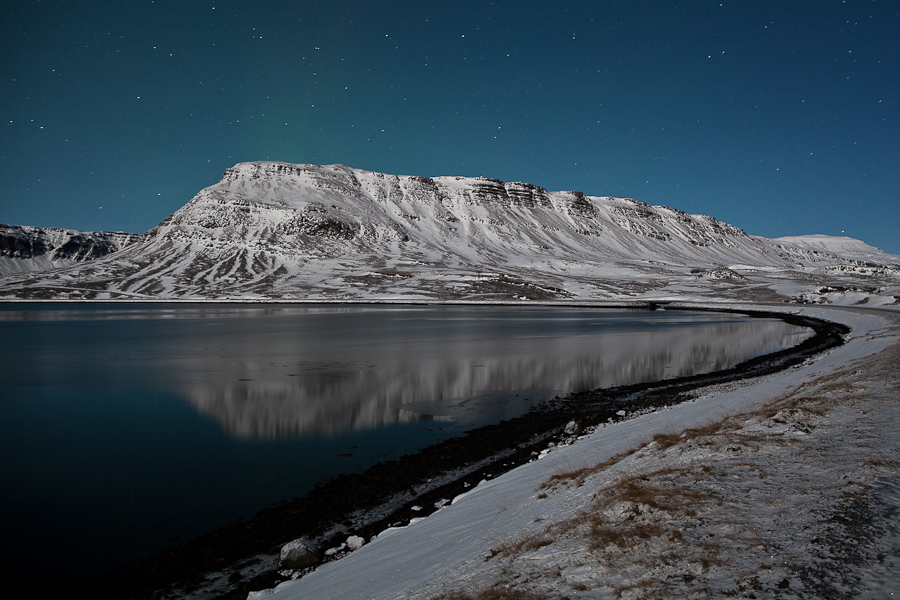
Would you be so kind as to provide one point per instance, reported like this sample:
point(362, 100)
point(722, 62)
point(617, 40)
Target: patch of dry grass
point(577, 477)
point(663, 441)
point(519, 545)
point(496, 592)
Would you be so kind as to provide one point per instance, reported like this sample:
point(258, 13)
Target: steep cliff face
point(24, 249)
point(279, 230)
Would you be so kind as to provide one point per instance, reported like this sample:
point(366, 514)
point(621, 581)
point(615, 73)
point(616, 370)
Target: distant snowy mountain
point(24, 249)
point(284, 231)
point(843, 246)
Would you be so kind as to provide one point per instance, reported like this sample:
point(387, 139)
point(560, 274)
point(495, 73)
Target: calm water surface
point(126, 427)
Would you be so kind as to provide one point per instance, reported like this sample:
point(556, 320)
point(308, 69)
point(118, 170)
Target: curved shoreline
point(384, 495)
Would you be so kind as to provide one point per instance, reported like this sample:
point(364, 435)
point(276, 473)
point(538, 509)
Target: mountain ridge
point(25, 248)
point(275, 230)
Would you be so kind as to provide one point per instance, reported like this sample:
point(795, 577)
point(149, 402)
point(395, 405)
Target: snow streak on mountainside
point(284, 231)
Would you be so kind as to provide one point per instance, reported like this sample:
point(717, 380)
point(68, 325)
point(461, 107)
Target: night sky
point(780, 117)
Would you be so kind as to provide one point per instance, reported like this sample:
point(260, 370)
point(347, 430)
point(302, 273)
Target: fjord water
point(125, 428)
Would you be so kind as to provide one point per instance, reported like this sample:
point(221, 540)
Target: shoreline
point(782, 486)
point(384, 495)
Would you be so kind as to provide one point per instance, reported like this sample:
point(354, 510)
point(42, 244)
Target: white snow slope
point(283, 231)
point(785, 486)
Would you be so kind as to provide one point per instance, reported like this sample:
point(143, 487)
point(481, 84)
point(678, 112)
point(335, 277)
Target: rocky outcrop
point(18, 242)
point(299, 554)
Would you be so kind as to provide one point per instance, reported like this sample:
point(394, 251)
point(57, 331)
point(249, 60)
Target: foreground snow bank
point(765, 486)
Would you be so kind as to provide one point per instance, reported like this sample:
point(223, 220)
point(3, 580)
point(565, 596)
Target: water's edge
point(365, 504)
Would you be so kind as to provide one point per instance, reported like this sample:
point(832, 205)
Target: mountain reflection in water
point(352, 381)
point(274, 371)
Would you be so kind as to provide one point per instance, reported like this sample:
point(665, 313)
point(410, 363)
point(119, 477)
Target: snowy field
point(784, 486)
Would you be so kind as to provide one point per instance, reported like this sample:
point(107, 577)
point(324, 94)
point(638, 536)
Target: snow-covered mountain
point(24, 249)
point(286, 231)
point(843, 246)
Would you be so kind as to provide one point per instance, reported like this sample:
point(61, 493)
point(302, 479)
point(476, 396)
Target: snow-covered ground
point(785, 486)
